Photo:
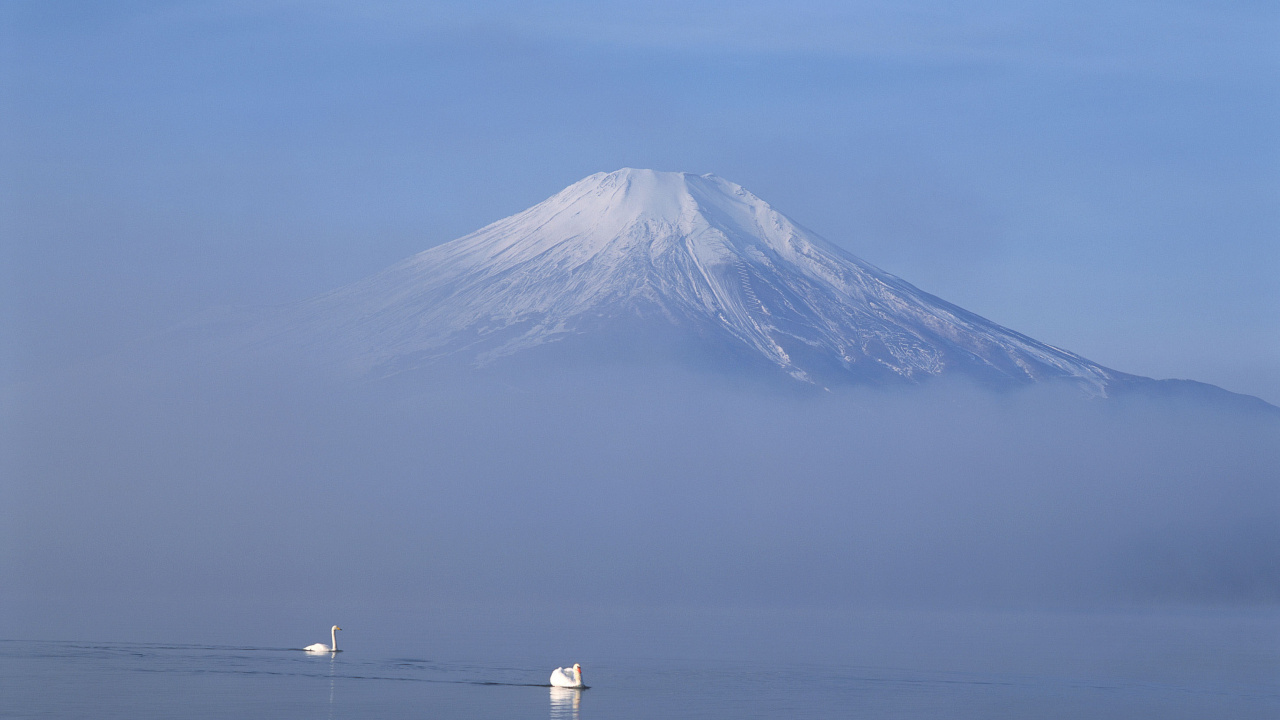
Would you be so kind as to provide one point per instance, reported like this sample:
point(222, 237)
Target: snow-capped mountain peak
point(695, 254)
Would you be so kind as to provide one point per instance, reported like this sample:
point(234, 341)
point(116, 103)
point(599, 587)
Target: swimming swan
point(321, 647)
point(567, 677)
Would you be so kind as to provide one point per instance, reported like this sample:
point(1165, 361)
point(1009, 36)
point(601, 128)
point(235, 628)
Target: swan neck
point(333, 637)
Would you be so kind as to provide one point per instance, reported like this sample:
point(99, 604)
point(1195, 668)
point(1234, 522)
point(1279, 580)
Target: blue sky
point(1101, 176)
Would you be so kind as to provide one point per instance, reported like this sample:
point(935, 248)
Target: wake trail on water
point(142, 650)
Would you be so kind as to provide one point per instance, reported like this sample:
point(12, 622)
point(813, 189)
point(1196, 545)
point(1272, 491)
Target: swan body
point(321, 647)
point(567, 677)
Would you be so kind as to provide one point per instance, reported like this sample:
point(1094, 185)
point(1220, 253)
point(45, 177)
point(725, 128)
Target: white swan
point(567, 677)
point(321, 647)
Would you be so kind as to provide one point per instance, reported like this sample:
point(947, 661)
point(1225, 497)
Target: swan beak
point(339, 628)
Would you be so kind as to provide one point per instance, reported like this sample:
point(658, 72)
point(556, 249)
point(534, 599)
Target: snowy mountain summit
point(639, 253)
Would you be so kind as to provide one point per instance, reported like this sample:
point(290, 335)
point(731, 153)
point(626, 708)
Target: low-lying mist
point(133, 487)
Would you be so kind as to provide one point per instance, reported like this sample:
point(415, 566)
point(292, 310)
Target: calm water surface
point(1195, 667)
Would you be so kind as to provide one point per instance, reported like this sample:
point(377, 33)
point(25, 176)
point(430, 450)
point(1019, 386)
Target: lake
point(873, 665)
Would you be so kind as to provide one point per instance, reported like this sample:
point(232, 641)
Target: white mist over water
point(170, 502)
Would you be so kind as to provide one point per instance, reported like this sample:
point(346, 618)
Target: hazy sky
point(1103, 176)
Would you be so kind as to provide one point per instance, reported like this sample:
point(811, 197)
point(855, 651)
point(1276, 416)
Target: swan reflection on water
point(565, 703)
point(333, 656)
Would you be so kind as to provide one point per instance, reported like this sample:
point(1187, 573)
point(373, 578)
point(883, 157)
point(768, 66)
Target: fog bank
point(198, 491)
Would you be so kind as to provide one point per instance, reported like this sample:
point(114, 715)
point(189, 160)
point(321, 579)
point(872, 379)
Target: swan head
point(577, 668)
point(335, 627)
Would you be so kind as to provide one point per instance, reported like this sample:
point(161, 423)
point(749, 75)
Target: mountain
point(638, 261)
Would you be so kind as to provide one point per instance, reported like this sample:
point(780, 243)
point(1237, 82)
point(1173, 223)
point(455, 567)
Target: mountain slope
point(689, 253)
